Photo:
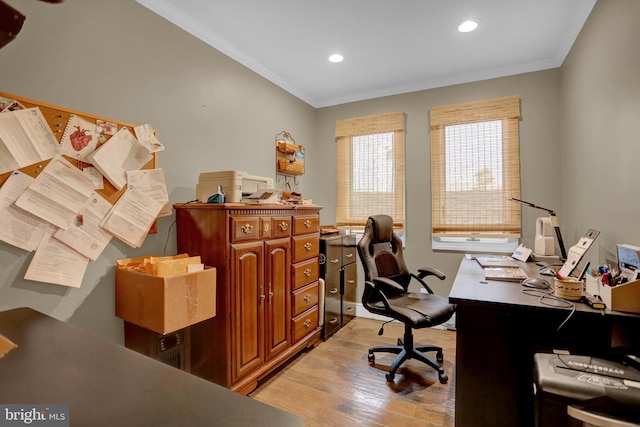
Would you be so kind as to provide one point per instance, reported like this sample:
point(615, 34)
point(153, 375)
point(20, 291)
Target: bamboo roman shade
point(370, 169)
point(475, 168)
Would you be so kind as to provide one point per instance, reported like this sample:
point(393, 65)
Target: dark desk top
point(106, 384)
point(471, 288)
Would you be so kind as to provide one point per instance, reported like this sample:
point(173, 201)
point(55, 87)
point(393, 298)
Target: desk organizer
point(625, 297)
point(568, 289)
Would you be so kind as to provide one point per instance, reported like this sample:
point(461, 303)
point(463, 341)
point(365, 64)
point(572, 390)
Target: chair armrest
point(377, 290)
point(429, 271)
point(381, 282)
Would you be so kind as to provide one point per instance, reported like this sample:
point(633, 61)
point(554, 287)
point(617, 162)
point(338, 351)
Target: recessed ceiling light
point(468, 26)
point(336, 57)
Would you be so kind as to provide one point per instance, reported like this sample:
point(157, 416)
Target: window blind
point(370, 169)
point(475, 168)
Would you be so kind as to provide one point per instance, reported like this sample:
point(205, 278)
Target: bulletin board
point(57, 118)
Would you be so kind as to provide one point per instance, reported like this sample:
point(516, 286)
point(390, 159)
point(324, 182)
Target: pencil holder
point(568, 289)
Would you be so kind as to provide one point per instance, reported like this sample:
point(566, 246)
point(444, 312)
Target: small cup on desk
point(569, 289)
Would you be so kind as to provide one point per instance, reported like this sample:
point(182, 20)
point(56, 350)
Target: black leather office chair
point(386, 293)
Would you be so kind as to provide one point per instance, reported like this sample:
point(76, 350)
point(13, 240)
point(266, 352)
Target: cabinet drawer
point(265, 228)
point(305, 247)
point(304, 224)
point(305, 272)
point(332, 286)
point(348, 254)
point(281, 226)
point(245, 228)
point(333, 258)
point(305, 298)
point(304, 324)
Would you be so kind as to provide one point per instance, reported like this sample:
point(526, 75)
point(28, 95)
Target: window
point(475, 168)
point(370, 169)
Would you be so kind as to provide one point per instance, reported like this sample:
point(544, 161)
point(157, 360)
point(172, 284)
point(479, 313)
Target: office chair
point(386, 293)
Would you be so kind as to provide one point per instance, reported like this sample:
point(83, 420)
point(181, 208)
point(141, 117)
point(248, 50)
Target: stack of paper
point(121, 153)
point(511, 274)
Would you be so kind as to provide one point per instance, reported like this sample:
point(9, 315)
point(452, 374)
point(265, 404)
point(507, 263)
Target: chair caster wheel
point(390, 377)
point(439, 357)
point(443, 378)
point(372, 358)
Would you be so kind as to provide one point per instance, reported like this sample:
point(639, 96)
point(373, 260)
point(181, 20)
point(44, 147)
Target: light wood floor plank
point(334, 385)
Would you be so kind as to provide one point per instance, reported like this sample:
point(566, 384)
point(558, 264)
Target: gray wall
point(539, 151)
point(600, 133)
point(118, 60)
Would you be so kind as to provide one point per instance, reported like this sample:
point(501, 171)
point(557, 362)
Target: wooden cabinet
point(267, 287)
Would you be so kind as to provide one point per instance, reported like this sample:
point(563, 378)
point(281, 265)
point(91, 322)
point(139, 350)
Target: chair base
point(405, 351)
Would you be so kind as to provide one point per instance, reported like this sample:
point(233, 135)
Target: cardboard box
point(625, 297)
point(165, 304)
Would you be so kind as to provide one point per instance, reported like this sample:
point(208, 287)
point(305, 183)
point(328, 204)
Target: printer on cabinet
point(234, 183)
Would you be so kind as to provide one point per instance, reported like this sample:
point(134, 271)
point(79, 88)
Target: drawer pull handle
point(283, 226)
point(335, 261)
point(307, 223)
point(349, 308)
point(351, 282)
point(307, 323)
point(307, 297)
point(247, 228)
point(308, 246)
point(349, 255)
point(334, 290)
point(307, 272)
point(333, 321)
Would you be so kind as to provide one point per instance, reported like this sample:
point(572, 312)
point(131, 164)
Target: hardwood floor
point(334, 385)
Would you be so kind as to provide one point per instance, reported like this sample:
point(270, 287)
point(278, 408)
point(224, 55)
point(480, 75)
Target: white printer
point(234, 183)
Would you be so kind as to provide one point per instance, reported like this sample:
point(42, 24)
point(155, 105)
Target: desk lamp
point(554, 222)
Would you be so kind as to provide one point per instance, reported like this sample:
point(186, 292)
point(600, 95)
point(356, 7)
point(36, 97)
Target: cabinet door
point(247, 302)
point(277, 310)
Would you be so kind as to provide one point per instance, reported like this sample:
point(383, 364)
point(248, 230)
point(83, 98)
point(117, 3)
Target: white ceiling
point(390, 47)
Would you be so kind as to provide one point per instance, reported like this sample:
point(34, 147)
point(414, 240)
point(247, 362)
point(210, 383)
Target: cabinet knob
point(307, 224)
point(307, 297)
point(307, 323)
point(266, 228)
point(307, 272)
point(308, 246)
point(247, 228)
point(283, 226)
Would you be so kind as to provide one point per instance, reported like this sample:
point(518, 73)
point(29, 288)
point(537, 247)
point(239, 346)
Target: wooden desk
point(108, 385)
point(499, 329)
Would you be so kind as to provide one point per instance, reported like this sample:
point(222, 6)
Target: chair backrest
point(380, 250)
